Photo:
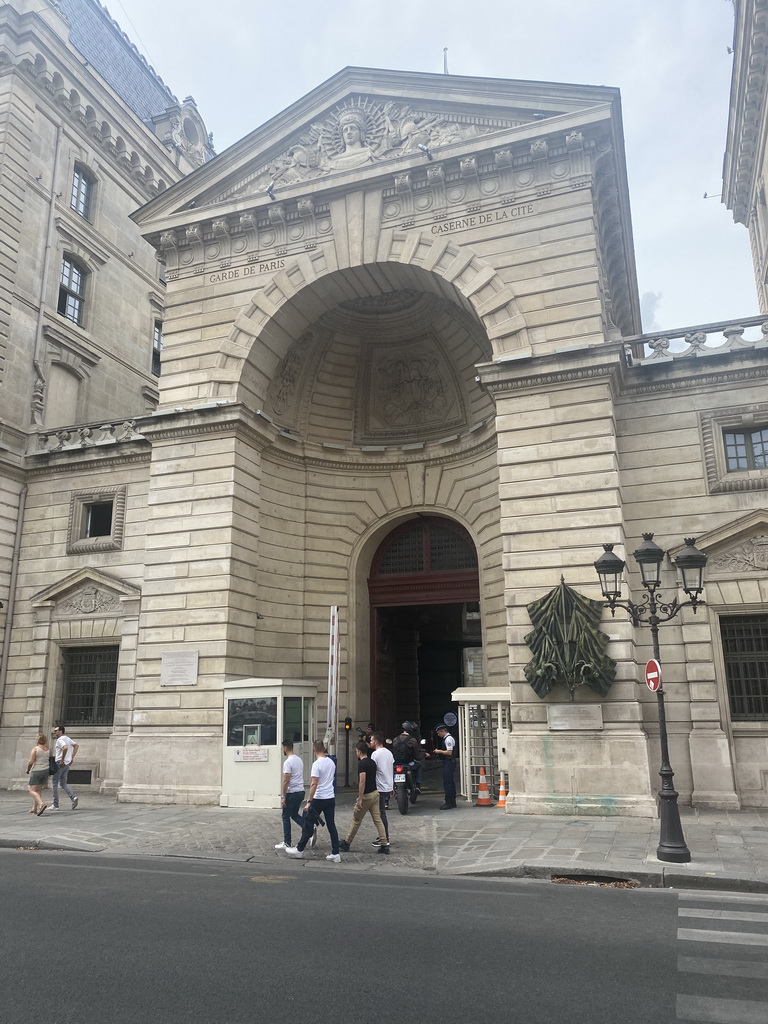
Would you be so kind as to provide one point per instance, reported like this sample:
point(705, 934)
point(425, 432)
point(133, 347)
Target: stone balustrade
point(79, 437)
point(702, 340)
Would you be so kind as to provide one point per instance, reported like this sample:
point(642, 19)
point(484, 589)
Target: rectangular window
point(82, 192)
point(157, 346)
point(745, 651)
point(746, 449)
point(98, 519)
point(71, 302)
point(249, 711)
point(90, 682)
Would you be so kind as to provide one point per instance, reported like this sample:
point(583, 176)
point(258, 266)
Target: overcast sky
point(245, 60)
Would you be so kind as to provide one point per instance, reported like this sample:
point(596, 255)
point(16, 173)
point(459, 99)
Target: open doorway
point(424, 593)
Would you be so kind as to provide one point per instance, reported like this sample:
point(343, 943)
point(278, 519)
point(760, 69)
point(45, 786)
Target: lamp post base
point(672, 847)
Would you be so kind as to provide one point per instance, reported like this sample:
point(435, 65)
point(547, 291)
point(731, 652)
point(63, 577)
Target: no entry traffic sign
point(653, 674)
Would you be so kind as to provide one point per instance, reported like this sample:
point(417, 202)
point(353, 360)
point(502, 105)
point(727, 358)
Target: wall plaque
point(251, 753)
point(568, 717)
point(178, 668)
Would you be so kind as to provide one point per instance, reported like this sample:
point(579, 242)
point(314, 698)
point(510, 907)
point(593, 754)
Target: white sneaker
point(75, 802)
point(294, 851)
point(313, 839)
point(54, 808)
point(335, 857)
point(281, 846)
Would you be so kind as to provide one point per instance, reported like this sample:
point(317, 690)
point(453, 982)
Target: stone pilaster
point(199, 595)
point(559, 481)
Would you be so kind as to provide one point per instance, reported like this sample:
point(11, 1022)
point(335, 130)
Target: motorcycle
point(405, 787)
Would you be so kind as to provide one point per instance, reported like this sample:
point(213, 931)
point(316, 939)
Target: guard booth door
point(299, 726)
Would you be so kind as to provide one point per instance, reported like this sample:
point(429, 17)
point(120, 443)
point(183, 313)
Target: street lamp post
point(652, 612)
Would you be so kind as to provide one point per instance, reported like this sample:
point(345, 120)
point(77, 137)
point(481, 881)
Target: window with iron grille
point(425, 546)
point(746, 449)
point(157, 346)
point(72, 290)
point(90, 681)
point(745, 651)
point(82, 192)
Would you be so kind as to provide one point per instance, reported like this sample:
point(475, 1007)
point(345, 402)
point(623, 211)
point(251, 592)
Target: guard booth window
point(745, 651)
point(90, 681)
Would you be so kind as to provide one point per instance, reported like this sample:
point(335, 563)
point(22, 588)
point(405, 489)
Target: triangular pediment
point(363, 121)
point(737, 548)
point(88, 591)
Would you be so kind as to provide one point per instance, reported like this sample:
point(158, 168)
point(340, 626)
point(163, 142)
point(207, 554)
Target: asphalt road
point(92, 939)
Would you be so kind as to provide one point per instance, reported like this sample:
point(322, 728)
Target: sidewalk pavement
point(729, 848)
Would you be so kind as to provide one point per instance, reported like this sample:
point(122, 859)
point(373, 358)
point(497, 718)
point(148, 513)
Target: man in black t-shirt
point(367, 800)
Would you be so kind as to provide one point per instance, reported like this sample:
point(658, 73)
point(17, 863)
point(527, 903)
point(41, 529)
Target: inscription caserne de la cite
point(250, 270)
point(474, 220)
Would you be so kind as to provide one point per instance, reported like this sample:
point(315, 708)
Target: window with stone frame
point(746, 448)
point(745, 653)
point(83, 189)
point(89, 685)
point(72, 287)
point(157, 346)
point(96, 520)
point(735, 446)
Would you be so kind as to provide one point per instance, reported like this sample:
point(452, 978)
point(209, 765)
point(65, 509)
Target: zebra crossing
point(722, 958)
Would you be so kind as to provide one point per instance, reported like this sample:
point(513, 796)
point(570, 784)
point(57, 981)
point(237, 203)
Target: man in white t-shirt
point(291, 793)
point(321, 801)
point(385, 782)
point(449, 766)
point(64, 754)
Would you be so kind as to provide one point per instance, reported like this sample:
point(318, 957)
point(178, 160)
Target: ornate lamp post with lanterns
point(652, 612)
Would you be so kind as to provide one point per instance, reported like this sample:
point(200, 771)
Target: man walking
point(292, 792)
point(449, 767)
point(64, 754)
point(385, 782)
point(367, 800)
point(321, 800)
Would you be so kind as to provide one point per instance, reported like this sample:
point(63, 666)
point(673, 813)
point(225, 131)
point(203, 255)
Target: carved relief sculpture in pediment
point(748, 556)
point(88, 600)
point(364, 131)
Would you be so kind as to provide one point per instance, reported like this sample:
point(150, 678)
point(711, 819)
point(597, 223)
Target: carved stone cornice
point(746, 123)
point(74, 461)
point(361, 462)
point(702, 379)
point(222, 418)
point(579, 364)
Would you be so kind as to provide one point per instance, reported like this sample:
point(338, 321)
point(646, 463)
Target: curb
point(50, 844)
point(664, 878)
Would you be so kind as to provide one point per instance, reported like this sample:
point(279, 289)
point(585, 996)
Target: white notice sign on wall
point(251, 753)
point(178, 668)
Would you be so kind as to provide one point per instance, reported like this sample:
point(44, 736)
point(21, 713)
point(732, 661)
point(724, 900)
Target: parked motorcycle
point(405, 787)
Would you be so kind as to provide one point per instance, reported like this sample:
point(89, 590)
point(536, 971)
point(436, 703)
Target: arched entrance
point(425, 621)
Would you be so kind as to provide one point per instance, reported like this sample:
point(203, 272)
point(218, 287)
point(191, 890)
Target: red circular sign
point(653, 674)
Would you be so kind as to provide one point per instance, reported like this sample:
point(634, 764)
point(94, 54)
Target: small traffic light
point(347, 724)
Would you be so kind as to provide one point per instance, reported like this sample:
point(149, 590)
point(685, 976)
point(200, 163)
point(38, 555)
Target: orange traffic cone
point(502, 792)
point(483, 796)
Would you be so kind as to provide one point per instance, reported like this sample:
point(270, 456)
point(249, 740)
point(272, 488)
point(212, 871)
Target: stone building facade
point(404, 375)
point(88, 132)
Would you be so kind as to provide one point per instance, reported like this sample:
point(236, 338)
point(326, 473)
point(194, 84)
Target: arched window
point(83, 187)
point(72, 290)
point(428, 560)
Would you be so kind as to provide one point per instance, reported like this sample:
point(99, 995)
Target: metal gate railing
point(479, 727)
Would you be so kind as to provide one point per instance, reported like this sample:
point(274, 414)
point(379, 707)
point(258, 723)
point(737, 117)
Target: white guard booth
point(258, 715)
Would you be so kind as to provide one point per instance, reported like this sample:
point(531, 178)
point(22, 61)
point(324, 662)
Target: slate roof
point(110, 52)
